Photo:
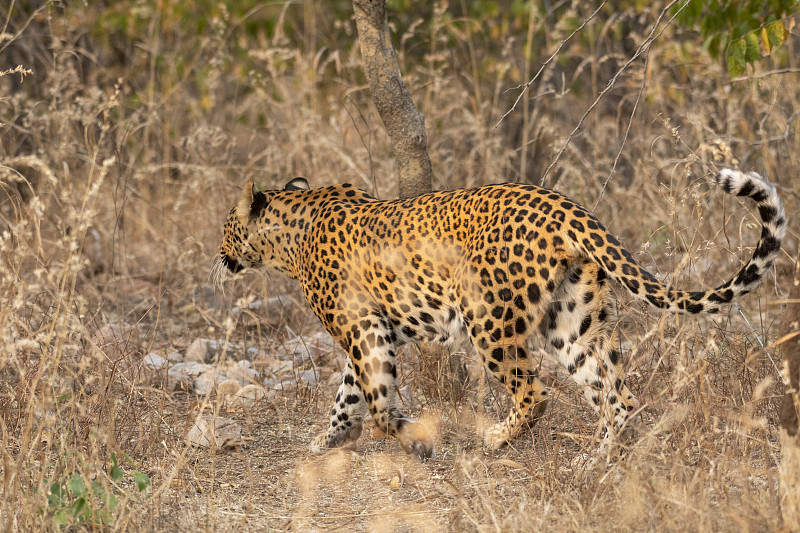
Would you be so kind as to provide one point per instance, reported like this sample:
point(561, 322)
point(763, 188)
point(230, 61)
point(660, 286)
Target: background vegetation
point(126, 129)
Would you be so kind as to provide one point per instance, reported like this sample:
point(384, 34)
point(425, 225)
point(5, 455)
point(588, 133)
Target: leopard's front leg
point(374, 360)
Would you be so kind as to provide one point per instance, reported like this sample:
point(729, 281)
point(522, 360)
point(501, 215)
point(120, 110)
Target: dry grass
point(119, 160)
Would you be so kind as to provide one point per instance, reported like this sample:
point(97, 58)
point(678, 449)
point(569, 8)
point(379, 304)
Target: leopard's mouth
point(232, 264)
point(223, 262)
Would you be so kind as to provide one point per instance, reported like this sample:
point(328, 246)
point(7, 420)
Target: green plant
point(79, 500)
point(742, 30)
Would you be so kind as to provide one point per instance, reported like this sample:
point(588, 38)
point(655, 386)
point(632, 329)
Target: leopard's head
point(258, 230)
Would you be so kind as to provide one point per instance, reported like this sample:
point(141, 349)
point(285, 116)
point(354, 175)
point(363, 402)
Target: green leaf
point(103, 517)
point(112, 502)
point(76, 486)
point(142, 481)
point(116, 471)
point(691, 12)
point(712, 23)
point(80, 510)
point(712, 45)
point(776, 33)
point(62, 517)
point(752, 53)
point(735, 68)
point(56, 496)
point(98, 489)
point(736, 62)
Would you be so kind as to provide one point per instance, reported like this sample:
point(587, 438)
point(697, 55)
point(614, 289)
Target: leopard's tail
point(619, 264)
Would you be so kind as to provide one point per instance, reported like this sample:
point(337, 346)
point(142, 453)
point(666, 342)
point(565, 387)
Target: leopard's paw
point(338, 437)
point(496, 436)
point(416, 439)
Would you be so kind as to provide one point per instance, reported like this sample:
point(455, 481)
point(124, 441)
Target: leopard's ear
point(243, 208)
point(250, 204)
point(297, 184)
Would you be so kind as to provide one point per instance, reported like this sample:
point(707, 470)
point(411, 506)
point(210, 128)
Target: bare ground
point(702, 455)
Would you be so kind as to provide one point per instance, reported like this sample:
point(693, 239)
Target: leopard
point(490, 266)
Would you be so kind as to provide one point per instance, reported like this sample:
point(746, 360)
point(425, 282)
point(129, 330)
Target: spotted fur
point(490, 265)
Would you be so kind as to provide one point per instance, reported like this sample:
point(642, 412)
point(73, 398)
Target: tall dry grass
point(120, 155)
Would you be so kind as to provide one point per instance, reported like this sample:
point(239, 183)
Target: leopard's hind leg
point(512, 366)
point(579, 330)
point(500, 323)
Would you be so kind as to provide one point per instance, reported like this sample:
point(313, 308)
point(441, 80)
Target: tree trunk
point(404, 124)
point(790, 408)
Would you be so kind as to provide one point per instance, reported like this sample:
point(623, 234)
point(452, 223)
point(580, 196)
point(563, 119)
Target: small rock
point(116, 340)
point(199, 433)
point(226, 391)
point(275, 384)
point(254, 353)
point(308, 348)
point(269, 365)
point(302, 376)
point(197, 351)
point(153, 361)
point(249, 395)
point(175, 357)
point(242, 371)
point(206, 382)
point(93, 250)
point(182, 375)
point(278, 306)
point(208, 350)
point(207, 431)
point(404, 396)
point(255, 305)
point(275, 309)
point(307, 376)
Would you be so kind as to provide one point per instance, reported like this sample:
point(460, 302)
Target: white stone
point(250, 395)
point(307, 348)
point(208, 350)
point(242, 372)
point(257, 312)
point(254, 353)
point(301, 376)
point(182, 375)
point(206, 382)
point(153, 361)
point(226, 391)
point(307, 376)
point(175, 357)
